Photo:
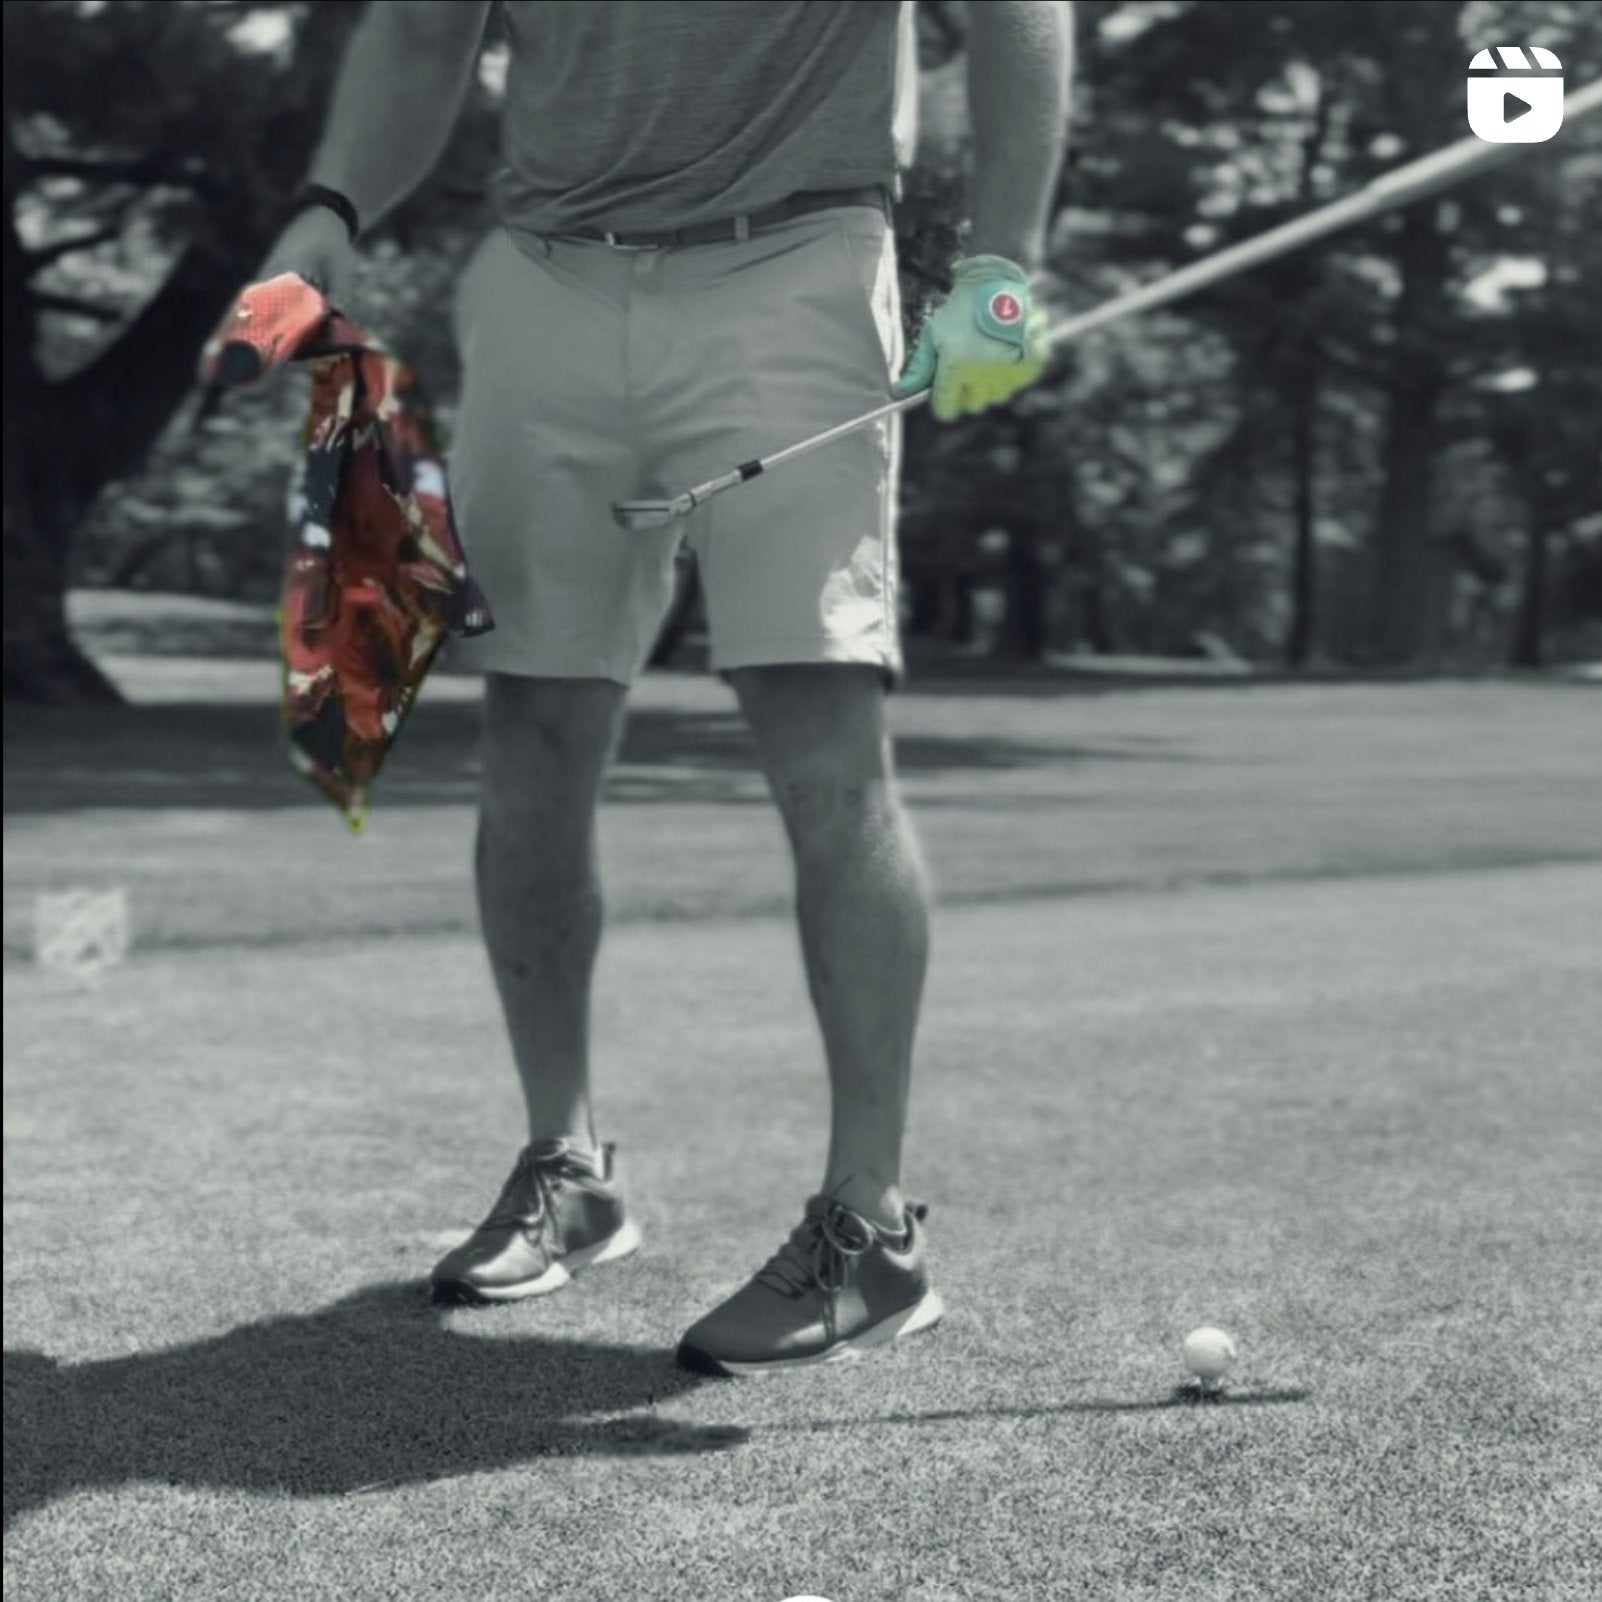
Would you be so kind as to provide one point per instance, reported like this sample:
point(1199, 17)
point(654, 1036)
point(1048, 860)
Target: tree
point(1302, 461)
point(204, 158)
point(1212, 123)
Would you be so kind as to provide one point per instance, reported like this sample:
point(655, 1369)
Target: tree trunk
point(1023, 631)
point(1405, 619)
point(1304, 556)
point(1529, 630)
point(41, 662)
point(67, 441)
point(1095, 594)
point(963, 623)
point(923, 592)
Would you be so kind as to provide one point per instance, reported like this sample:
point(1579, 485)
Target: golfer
point(693, 264)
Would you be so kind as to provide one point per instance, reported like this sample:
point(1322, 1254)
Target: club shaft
point(1398, 188)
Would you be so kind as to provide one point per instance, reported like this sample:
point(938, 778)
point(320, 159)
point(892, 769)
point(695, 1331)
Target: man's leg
point(854, 1274)
point(547, 743)
point(546, 746)
point(862, 903)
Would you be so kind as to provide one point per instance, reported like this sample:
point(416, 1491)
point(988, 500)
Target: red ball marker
point(1005, 306)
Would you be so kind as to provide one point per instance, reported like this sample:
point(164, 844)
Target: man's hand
point(982, 344)
point(310, 269)
point(318, 247)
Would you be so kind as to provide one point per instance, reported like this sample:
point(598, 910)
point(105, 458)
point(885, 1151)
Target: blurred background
point(1377, 454)
point(1264, 986)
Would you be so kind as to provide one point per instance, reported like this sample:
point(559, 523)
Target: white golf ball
point(1209, 1354)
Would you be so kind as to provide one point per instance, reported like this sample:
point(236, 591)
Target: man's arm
point(1020, 64)
point(400, 90)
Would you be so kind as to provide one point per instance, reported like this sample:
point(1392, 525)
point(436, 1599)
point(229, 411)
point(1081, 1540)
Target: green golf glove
point(982, 344)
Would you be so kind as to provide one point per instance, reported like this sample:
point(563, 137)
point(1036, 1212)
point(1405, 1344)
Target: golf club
point(1406, 184)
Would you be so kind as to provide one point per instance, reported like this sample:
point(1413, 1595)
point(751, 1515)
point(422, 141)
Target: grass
point(1270, 1007)
point(1056, 791)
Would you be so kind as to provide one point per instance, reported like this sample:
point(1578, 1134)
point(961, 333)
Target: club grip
point(239, 363)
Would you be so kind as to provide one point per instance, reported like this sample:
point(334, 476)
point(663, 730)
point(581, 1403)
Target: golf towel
point(375, 577)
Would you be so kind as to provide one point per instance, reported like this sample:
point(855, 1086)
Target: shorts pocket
point(867, 247)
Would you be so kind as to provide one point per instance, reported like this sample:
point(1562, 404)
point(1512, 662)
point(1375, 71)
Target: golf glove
point(982, 344)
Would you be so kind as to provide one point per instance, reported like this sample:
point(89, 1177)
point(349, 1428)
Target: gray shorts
point(592, 374)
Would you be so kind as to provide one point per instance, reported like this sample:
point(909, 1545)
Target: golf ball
point(1209, 1354)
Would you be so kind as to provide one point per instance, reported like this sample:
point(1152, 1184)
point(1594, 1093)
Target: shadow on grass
point(209, 755)
point(374, 1391)
point(1189, 1396)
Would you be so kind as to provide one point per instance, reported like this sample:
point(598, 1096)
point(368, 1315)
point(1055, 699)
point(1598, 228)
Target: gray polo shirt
point(656, 114)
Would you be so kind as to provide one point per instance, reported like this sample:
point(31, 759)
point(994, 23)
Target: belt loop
point(742, 227)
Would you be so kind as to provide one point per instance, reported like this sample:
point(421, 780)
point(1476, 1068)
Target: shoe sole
point(921, 1315)
point(623, 1243)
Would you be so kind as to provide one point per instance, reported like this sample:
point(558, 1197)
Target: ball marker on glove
point(1001, 314)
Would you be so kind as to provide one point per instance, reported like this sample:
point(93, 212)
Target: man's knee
point(793, 710)
point(547, 743)
point(826, 751)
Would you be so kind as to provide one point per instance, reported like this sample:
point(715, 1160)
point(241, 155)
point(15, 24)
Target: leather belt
point(741, 227)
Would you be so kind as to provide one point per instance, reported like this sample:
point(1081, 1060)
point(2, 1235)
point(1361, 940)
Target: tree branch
point(45, 255)
point(148, 171)
point(47, 301)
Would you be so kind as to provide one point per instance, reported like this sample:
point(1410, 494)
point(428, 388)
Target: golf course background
point(1266, 960)
point(1264, 1005)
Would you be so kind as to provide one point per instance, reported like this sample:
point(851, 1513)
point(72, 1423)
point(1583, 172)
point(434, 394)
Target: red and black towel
point(375, 577)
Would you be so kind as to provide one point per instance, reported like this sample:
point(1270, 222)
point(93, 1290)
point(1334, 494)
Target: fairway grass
point(1352, 1120)
point(190, 805)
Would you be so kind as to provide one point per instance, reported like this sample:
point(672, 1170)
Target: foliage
point(1193, 131)
point(1379, 449)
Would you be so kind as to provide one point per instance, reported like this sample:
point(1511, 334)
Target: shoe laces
point(820, 1252)
point(528, 1199)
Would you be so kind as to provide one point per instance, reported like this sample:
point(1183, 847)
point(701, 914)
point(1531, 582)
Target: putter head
point(638, 516)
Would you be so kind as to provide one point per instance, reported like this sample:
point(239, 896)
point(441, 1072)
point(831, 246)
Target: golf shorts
point(593, 374)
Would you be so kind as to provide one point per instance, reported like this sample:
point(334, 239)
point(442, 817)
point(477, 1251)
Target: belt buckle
point(617, 244)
